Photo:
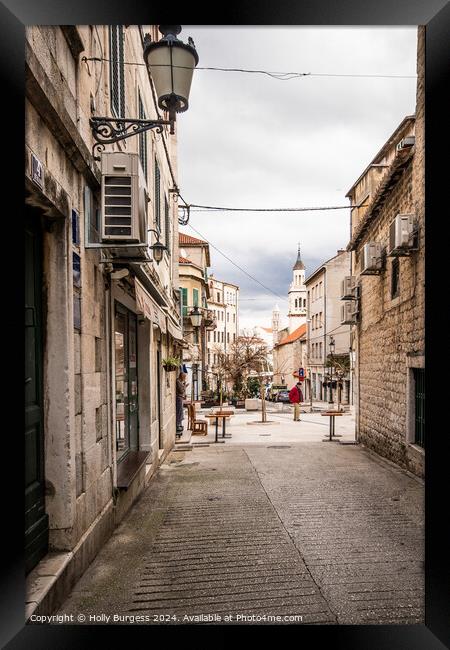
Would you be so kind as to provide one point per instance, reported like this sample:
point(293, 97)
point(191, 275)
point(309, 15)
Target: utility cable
point(208, 208)
point(237, 265)
point(281, 76)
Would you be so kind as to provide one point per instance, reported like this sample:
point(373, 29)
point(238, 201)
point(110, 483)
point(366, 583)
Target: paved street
point(301, 528)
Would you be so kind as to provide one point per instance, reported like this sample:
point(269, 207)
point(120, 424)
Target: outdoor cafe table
point(332, 415)
point(220, 415)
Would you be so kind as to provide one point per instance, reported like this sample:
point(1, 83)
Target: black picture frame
point(435, 14)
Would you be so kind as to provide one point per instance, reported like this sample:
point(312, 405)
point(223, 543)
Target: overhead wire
point(237, 265)
point(281, 76)
point(209, 208)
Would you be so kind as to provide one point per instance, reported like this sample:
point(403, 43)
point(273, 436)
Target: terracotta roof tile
point(187, 239)
point(293, 336)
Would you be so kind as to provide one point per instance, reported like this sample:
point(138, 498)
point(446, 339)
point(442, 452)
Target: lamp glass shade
point(196, 317)
point(171, 67)
point(158, 251)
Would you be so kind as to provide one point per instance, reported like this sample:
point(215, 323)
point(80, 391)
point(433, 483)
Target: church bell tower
point(297, 295)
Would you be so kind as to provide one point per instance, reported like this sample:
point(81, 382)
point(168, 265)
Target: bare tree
point(247, 355)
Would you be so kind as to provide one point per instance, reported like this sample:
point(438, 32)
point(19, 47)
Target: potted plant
point(171, 364)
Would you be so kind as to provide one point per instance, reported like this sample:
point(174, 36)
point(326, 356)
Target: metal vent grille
point(118, 206)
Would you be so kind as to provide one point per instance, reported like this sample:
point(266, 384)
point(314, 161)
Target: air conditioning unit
point(402, 233)
point(123, 200)
point(348, 313)
point(407, 142)
point(372, 259)
point(348, 288)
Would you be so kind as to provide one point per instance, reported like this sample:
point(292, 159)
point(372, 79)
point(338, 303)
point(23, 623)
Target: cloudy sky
point(249, 140)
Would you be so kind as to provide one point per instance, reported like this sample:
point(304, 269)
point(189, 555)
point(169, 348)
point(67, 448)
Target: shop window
point(126, 384)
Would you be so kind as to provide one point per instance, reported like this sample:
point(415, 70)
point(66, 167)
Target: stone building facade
point(195, 293)
point(224, 304)
point(389, 336)
point(289, 355)
point(100, 410)
point(324, 322)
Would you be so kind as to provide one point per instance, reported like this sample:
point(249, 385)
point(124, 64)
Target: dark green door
point(126, 371)
point(36, 519)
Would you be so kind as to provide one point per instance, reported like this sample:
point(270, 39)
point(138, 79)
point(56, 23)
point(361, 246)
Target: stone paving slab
point(318, 531)
point(352, 519)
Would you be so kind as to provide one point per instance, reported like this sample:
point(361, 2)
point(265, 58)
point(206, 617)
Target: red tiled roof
point(184, 260)
point(294, 336)
point(193, 241)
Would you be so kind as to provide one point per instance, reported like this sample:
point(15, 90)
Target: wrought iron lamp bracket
point(106, 130)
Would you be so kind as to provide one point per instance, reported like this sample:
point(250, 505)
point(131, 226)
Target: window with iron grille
point(117, 70)
point(395, 278)
point(167, 224)
point(142, 138)
point(157, 196)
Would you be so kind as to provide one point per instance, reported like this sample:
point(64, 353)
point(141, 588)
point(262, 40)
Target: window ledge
point(417, 448)
point(128, 468)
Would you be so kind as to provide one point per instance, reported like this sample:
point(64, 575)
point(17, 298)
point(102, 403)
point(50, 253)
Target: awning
point(147, 306)
point(174, 330)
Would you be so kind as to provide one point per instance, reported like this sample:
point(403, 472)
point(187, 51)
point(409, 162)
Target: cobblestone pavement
point(322, 531)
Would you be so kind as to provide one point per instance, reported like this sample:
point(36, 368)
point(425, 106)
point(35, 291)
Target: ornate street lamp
point(171, 64)
point(196, 317)
point(157, 248)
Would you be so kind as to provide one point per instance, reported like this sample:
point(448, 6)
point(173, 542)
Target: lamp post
point(332, 347)
point(196, 320)
point(171, 64)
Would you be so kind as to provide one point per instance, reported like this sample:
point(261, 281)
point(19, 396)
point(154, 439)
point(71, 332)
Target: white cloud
point(252, 141)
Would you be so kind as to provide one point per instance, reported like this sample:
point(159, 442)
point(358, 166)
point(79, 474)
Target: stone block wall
point(391, 332)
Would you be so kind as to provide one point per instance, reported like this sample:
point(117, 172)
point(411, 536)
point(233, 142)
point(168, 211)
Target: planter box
point(252, 404)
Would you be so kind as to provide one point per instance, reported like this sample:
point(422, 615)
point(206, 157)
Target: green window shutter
point(195, 297)
point(184, 301)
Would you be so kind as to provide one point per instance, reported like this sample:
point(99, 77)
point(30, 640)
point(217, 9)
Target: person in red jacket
point(295, 397)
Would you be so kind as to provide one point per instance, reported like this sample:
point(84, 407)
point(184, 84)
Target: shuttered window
point(184, 301)
point(142, 138)
point(167, 224)
point(117, 70)
point(157, 196)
